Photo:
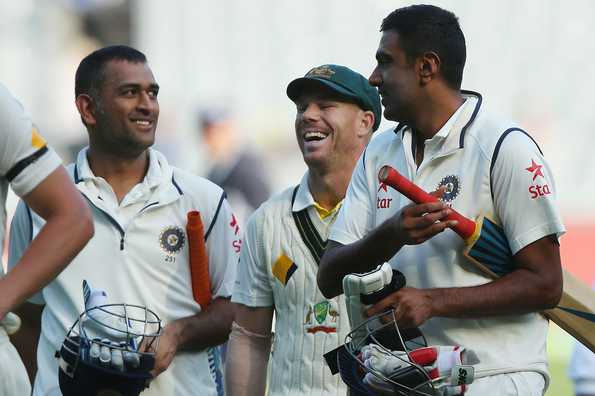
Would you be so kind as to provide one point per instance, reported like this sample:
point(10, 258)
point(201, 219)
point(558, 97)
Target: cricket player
point(484, 165)
point(337, 111)
point(35, 173)
point(140, 252)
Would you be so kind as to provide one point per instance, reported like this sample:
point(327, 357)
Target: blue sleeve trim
point(30, 219)
point(77, 180)
point(223, 196)
point(497, 151)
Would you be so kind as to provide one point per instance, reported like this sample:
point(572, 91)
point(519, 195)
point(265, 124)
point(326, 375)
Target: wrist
point(436, 297)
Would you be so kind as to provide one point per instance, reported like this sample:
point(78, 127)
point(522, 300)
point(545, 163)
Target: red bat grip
point(389, 176)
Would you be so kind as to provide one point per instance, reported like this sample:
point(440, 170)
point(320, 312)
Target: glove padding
point(448, 367)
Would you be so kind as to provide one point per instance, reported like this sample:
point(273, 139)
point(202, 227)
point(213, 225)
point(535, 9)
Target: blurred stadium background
point(530, 59)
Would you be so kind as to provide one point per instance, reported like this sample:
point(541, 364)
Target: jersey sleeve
point(252, 287)
point(223, 247)
point(524, 192)
point(21, 234)
point(25, 158)
point(355, 219)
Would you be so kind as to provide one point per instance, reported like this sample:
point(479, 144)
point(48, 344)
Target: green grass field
point(559, 347)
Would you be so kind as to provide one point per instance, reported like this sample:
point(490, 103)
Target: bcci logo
point(172, 239)
point(452, 188)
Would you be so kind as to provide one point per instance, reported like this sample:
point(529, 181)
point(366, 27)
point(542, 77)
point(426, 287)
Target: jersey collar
point(453, 132)
point(303, 197)
point(158, 181)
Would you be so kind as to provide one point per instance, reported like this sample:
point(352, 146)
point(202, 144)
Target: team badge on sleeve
point(283, 268)
point(172, 239)
point(36, 140)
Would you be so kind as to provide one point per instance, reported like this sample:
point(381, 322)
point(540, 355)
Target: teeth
point(314, 135)
point(142, 122)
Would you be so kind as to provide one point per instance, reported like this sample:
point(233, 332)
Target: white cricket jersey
point(489, 167)
point(25, 159)
point(134, 259)
point(282, 246)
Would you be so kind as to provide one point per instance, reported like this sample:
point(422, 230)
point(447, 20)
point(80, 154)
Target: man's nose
point(374, 78)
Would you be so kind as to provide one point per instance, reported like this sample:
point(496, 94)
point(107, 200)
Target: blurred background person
point(234, 164)
point(582, 370)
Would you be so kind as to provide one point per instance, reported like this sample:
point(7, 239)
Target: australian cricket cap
point(347, 83)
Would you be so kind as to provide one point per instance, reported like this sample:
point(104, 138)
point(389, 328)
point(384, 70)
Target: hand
point(412, 306)
point(166, 349)
point(416, 223)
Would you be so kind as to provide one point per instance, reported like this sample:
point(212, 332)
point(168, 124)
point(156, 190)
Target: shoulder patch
point(283, 268)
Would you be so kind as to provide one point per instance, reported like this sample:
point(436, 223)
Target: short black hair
point(423, 28)
point(90, 73)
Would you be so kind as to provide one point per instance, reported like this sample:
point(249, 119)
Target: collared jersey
point(488, 166)
point(25, 159)
point(135, 259)
point(282, 246)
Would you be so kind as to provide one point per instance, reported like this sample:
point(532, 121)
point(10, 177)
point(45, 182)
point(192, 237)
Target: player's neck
point(328, 188)
point(435, 112)
point(122, 174)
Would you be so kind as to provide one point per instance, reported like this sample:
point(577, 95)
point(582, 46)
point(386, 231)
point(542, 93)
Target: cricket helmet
point(109, 351)
point(379, 358)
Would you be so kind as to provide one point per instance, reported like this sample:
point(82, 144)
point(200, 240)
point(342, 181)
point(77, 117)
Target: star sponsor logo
point(172, 239)
point(537, 190)
point(535, 169)
point(383, 202)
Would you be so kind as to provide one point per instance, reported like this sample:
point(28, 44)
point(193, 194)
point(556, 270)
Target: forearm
point(246, 364)
point(516, 293)
point(58, 242)
point(378, 246)
point(206, 329)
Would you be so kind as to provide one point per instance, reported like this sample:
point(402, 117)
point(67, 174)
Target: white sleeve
point(356, 217)
point(21, 234)
point(223, 248)
point(524, 192)
point(25, 159)
point(253, 287)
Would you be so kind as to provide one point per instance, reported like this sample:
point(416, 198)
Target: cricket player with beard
point(140, 253)
point(337, 112)
point(484, 164)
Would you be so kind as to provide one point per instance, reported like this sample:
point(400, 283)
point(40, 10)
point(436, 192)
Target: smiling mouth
point(314, 136)
point(143, 123)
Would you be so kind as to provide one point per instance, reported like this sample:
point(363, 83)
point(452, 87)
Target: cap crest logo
point(321, 71)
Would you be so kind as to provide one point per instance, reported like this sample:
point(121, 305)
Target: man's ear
point(428, 67)
point(87, 108)
point(366, 123)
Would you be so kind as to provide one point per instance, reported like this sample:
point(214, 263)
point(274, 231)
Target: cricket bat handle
point(391, 177)
point(199, 260)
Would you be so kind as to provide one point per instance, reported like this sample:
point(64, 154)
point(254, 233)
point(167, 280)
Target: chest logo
point(172, 239)
point(452, 187)
point(322, 316)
